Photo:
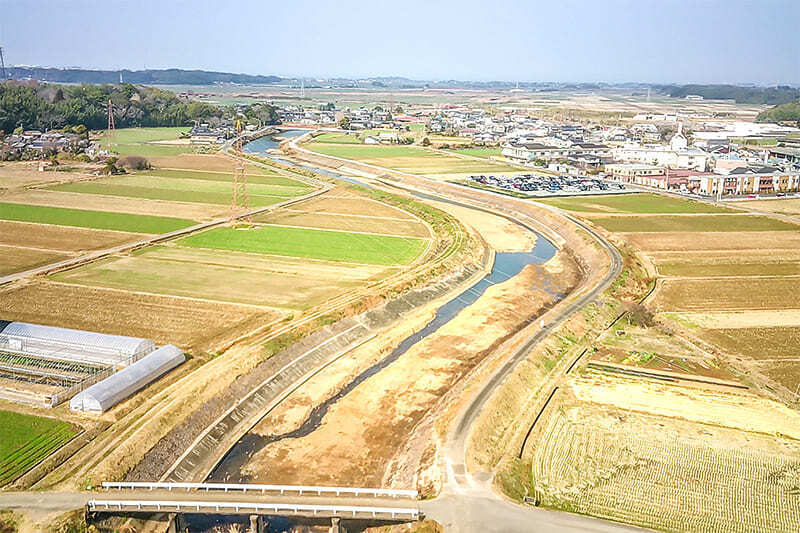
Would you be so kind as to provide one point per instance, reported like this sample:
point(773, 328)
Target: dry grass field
point(13, 259)
point(786, 206)
point(728, 294)
point(118, 204)
point(161, 318)
point(60, 238)
point(202, 279)
point(665, 473)
point(410, 159)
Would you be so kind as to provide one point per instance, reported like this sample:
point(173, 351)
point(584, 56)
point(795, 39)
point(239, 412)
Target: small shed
point(102, 396)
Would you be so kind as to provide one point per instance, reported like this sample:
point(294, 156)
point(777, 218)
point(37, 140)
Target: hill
point(171, 76)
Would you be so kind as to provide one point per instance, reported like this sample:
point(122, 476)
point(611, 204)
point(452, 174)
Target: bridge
point(309, 502)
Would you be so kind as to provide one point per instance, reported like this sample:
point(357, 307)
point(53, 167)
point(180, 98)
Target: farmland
point(408, 158)
point(183, 190)
point(83, 218)
point(664, 473)
point(786, 206)
point(311, 243)
point(632, 203)
point(27, 439)
point(162, 318)
point(148, 142)
point(695, 224)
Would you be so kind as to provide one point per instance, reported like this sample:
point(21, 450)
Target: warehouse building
point(102, 396)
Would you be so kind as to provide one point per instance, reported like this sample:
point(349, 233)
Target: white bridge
point(237, 498)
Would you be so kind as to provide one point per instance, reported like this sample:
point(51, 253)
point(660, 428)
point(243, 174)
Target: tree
point(344, 123)
point(426, 142)
point(638, 314)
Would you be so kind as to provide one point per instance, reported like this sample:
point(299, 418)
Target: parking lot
point(547, 185)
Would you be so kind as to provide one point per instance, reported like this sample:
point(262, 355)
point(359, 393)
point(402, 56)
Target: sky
point(652, 41)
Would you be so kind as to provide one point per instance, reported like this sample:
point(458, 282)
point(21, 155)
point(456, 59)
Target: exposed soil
point(361, 432)
point(501, 234)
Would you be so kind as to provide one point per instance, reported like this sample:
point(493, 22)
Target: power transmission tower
point(110, 129)
point(240, 199)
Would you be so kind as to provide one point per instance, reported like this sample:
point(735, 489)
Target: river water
point(506, 266)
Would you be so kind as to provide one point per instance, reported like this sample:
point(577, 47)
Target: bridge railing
point(263, 489)
point(246, 507)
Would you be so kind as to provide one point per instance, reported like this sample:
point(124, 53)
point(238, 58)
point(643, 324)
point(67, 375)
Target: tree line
point(33, 105)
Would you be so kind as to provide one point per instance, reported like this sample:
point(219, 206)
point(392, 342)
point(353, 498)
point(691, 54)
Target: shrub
point(134, 162)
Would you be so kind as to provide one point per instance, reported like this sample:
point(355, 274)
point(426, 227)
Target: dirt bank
point(363, 431)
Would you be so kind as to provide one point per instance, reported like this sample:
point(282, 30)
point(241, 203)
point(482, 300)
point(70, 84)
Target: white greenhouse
point(76, 346)
point(102, 396)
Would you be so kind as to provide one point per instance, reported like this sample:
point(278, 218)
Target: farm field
point(148, 142)
point(18, 175)
point(164, 319)
point(695, 224)
point(729, 269)
point(14, 259)
point(408, 159)
point(119, 204)
point(60, 238)
point(478, 152)
point(312, 243)
point(777, 242)
point(728, 294)
point(786, 206)
point(663, 472)
point(290, 217)
point(772, 343)
point(254, 175)
point(730, 280)
point(182, 190)
point(199, 277)
point(84, 218)
point(26, 439)
point(632, 203)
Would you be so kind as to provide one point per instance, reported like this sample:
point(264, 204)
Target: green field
point(264, 179)
point(92, 219)
point(359, 151)
point(339, 138)
point(700, 223)
point(183, 190)
point(633, 203)
point(478, 152)
point(26, 439)
point(312, 243)
point(138, 141)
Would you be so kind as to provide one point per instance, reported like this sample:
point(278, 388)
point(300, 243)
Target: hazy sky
point(704, 41)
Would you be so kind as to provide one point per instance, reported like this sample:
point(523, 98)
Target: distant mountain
point(172, 76)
